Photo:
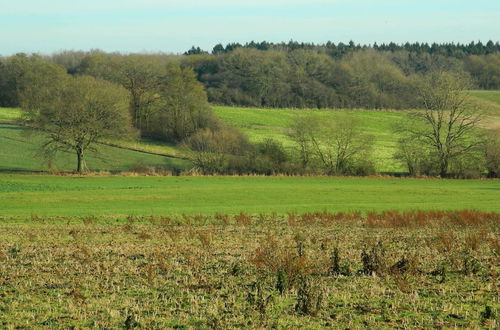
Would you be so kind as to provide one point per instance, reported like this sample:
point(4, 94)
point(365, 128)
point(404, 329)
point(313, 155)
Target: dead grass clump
point(76, 294)
point(473, 240)
point(89, 220)
point(446, 241)
point(222, 218)
point(34, 217)
point(495, 245)
point(84, 253)
point(128, 228)
point(402, 282)
point(243, 219)
point(464, 218)
point(276, 255)
point(144, 236)
point(205, 239)
point(405, 265)
point(292, 219)
point(75, 233)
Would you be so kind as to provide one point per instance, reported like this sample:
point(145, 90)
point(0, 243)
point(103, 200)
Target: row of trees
point(338, 148)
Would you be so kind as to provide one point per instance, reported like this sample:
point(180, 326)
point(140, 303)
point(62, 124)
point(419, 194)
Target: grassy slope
point(56, 195)
point(259, 124)
point(489, 96)
point(18, 151)
point(489, 102)
point(9, 115)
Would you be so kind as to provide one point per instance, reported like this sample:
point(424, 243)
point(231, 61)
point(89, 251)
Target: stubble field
point(316, 270)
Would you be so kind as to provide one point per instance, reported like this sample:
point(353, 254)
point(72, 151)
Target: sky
point(173, 26)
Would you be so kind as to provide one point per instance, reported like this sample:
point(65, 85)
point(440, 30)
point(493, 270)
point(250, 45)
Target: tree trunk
point(443, 170)
point(79, 155)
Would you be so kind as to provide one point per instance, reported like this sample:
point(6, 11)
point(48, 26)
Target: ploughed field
point(24, 195)
point(317, 270)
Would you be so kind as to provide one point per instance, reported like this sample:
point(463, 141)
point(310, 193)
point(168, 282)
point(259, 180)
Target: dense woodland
point(293, 74)
point(334, 76)
point(167, 97)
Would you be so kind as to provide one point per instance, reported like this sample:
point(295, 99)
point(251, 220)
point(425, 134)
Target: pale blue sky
point(175, 25)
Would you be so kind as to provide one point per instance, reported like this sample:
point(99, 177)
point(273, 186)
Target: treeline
point(334, 76)
point(456, 50)
point(297, 75)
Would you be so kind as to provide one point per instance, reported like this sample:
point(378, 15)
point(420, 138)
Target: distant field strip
point(45, 195)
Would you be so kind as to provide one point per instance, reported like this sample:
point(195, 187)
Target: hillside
point(493, 97)
point(19, 152)
point(257, 124)
point(489, 102)
point(260, 124)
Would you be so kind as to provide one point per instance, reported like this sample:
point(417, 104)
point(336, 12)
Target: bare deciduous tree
point(75, 113)
point(338, 146)
point(447, 123)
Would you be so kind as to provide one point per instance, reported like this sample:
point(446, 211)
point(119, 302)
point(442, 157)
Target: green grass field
point(489, 103)
point(45, 195)
point(18, 152)
point(489, 96)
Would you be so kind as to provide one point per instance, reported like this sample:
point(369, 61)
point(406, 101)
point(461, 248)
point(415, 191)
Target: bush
point(209, 150)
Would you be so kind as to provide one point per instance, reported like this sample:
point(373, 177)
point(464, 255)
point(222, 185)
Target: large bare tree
point(448, 122)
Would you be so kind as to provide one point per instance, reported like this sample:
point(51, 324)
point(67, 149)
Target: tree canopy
point(74, 113)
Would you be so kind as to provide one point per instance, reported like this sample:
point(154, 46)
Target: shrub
point(209, 149)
